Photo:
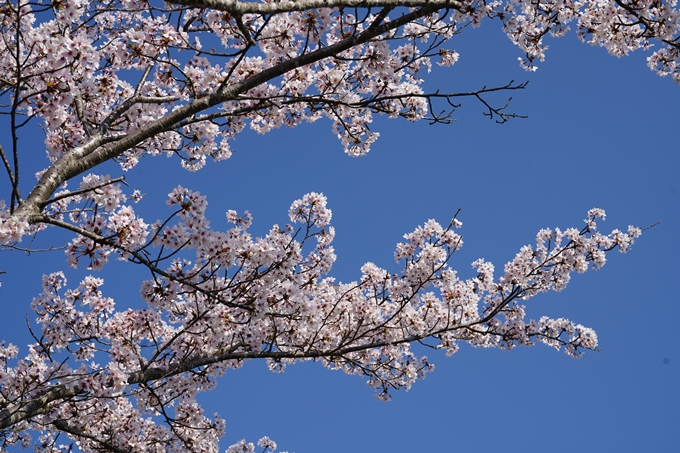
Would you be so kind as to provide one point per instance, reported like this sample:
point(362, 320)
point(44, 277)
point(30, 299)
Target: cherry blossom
point(242, 298)
point(128, 81)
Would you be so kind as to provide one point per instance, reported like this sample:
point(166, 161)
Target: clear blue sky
point(602, 132)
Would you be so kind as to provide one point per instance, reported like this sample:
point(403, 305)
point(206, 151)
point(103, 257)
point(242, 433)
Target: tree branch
point(63, 425)
point(241, 7)
point(92, 154)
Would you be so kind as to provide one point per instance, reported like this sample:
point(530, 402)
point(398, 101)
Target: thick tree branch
point(92, 154)
point(63, 425)
point(25, 410)
point(240, 7)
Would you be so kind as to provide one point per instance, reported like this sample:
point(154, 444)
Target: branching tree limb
point(124, 80)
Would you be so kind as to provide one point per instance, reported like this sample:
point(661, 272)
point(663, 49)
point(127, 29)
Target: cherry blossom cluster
point(125, 80)
point(107, 71)
point(11, 229)
point(97, 211)
point(227, 297)
point(619, 26)
point(242, 446)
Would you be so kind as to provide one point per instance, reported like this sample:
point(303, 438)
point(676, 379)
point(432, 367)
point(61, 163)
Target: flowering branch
point(365, 327)
point(125, 80)
point(241, 8)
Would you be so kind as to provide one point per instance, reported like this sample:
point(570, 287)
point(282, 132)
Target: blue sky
point(601, 132)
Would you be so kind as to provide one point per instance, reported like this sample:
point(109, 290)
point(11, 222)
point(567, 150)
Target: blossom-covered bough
point(126, 80)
